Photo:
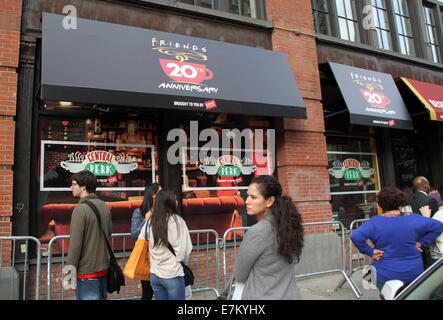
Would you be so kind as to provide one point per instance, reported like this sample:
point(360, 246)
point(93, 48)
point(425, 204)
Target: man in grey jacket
point(88, 252)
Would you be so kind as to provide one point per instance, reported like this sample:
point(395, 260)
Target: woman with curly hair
point(271, 248)
point(397, 238)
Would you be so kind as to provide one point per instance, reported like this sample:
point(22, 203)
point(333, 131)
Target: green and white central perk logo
point(227, 166)
point(351, 169)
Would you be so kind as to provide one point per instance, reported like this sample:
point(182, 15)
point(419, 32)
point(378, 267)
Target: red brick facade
point(10, 16)
point(301, 153)
point(301, 144)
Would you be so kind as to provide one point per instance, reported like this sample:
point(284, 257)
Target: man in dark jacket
point(420, 198)
point(88, 252)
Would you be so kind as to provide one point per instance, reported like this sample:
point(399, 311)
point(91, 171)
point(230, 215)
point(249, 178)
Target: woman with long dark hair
point(139, 217)
point(271, 248)
point(169, 245)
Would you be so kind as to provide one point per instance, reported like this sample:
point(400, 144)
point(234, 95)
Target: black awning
point(104, 63)
point(371, 97)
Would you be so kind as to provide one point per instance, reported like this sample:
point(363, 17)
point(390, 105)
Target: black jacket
point(419, 199)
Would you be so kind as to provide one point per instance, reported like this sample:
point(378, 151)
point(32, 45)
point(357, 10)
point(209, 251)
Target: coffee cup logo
point(126, 167)
point(227, 166)
point(375, 98)
point(186, 71)
point(211, 170)
point(100, 163)
point(336, 170)
point(366, 170)
point(73, 167)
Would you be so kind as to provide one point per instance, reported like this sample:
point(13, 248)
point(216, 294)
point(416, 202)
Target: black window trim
point(416, 16)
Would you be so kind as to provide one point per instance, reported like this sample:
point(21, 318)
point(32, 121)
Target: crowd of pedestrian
point(402, 242)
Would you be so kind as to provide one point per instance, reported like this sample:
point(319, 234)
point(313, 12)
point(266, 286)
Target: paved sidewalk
point(319, 288)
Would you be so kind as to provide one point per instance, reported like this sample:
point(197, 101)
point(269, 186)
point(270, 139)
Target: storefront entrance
point(178, 111)
point(410, 161)
point(208, 160)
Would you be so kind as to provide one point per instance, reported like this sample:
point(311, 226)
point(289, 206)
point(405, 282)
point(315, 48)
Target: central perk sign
point(100, 163)
point(351, 169)
point(227, 166)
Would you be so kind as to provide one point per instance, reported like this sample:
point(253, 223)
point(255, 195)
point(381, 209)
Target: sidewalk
point(319, 288)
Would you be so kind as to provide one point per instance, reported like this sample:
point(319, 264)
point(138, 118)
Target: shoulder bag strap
point(171, 249)
point(146, 229)
point(95, 210)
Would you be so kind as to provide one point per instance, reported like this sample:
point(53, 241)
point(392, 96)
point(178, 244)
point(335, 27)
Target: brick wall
point(301, 144)
point(10, 15)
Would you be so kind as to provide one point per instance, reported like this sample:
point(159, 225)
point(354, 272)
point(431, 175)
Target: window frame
point(374, 38)
point(316, 12)
point(432, 25)
point(222, 5)
point(437, 10)
point(416, 19)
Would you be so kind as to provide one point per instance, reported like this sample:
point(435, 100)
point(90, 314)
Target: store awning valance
point(371, 97)
point(431, 95)
point(104, 63)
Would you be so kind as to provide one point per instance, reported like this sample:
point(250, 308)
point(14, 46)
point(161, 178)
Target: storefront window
point(354, 179)
point(218, 166)
point(120, 152)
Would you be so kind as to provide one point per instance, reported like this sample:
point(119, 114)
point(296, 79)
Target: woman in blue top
point(397, 238)
point(139, 216)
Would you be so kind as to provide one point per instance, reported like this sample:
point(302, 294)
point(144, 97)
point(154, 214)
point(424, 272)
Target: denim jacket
point(137, 222)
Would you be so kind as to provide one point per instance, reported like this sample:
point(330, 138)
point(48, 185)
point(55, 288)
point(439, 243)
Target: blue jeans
point(92, 289)
point(168, 289)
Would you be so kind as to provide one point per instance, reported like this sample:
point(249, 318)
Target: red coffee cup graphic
point(186, 71)
point(375, 98)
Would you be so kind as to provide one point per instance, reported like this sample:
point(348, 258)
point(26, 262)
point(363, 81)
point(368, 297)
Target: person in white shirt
point(166, 227)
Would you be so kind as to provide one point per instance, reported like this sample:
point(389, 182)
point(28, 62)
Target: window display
point(122, 154)
point(219, 158)
point(354, 179)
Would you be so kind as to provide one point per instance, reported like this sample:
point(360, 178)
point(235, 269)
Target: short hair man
point(420, 198)
point(88, 252)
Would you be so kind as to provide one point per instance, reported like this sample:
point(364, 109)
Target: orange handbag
point(138, 265)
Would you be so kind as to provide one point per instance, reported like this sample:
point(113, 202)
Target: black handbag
point(116, 279)
point(189, 275)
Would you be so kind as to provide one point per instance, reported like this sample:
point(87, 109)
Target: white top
point(163, 263)
point(437, 245)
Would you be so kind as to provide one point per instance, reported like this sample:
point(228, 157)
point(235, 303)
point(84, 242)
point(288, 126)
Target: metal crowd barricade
point(354, 254)
point(129, 291)
point(324, 251)
point(355, 257)
point(205, 255)
point(323, 247)
point(234, 247)
point(10, 262)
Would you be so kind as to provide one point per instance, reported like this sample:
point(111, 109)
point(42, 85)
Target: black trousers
point(147, 292)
